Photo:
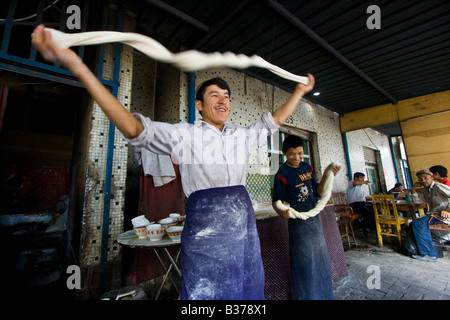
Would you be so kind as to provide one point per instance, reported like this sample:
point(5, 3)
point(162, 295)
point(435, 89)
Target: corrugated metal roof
point(355, 67)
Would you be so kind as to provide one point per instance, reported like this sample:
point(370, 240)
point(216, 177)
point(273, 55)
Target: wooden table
point(403, 205)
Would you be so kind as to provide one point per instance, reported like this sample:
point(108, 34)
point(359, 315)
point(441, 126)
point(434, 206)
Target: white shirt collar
point(200, 123)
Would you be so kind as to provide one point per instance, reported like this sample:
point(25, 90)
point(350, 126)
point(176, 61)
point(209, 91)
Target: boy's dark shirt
point(297, 186)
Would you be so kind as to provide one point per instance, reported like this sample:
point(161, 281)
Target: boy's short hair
point(358, 174)
point(439, 169)
point(398, 184)
point(292, 142)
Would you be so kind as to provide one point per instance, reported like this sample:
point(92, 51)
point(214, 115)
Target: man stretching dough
point(220, 250)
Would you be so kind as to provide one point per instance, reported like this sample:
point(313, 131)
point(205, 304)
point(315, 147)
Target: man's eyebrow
point(216, 91)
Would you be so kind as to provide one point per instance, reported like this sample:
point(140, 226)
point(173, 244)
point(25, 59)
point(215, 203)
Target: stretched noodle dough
point(190, 60)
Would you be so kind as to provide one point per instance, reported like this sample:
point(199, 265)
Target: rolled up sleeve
point(269, 123)
point(157, 137)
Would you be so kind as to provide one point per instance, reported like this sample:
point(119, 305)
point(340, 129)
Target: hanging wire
point(33, 15)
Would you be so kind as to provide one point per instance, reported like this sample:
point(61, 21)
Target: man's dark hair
point(222, 84)
point(439, 169)
point(398, 184)
point(358, 174)
point(292, 142)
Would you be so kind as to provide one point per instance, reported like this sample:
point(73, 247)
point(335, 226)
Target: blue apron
point(310, 264)
point(220, 250)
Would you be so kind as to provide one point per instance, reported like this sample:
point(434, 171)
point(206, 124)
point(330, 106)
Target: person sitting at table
point(440, 174)
point(356, 197)
point(437, 195)
point(396, 190)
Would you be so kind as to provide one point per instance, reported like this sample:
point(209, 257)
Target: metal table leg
point(173, 263)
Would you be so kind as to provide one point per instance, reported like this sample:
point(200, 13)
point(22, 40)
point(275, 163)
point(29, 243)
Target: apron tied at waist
point(220, 249)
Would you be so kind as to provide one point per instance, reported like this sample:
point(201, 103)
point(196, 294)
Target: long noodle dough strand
point(190, 60)
point(328, 186)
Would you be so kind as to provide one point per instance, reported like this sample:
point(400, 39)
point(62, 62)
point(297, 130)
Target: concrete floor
point(383, 273)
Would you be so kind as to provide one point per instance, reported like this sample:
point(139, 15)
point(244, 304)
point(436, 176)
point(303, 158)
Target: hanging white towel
point(160, 167)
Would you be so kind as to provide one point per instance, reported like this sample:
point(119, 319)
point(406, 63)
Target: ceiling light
point(316, 93)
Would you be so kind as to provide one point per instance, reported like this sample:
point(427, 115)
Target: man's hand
point(119, 115)
point(42, 40)
point(304, 89)
point(445, 214)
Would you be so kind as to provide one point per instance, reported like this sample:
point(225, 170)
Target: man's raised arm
point(118, 114)
point(281, 114)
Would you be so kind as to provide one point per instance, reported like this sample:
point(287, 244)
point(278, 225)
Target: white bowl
point(155, 232)
point(154, 226)
point(140, 232)
point(140, 221)
point(167, 222)
point(174, 233)
point(175, 216)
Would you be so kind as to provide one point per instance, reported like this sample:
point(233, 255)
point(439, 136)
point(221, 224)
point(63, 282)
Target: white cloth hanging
point(160, 167)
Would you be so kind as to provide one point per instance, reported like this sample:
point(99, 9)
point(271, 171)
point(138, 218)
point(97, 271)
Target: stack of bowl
point(174, 233)
point(168, 222)
point(139, 225)
point(171, 226)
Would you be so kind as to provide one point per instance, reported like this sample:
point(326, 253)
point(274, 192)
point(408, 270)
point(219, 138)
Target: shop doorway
point(39, 140)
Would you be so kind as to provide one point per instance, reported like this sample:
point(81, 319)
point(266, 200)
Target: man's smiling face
point(215, 106)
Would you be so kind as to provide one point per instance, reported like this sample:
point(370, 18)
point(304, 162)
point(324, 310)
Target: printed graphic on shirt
point(303, 194)
point(306, 176)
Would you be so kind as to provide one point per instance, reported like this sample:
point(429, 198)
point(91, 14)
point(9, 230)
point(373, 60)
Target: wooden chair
point(387, 220)
point(441, 229)
point(344, 215)
point(345, 226)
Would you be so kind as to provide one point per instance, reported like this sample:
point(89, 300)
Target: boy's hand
point(333, 167)
point(285, 214)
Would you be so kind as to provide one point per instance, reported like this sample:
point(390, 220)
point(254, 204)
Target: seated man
point(356, 197)
point(440, 174)
point(437, 195)
point(396, 190)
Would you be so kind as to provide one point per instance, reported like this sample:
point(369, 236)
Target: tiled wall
point(258, 187)
point(95, 175)
point(250, 98)
point(142, 101)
